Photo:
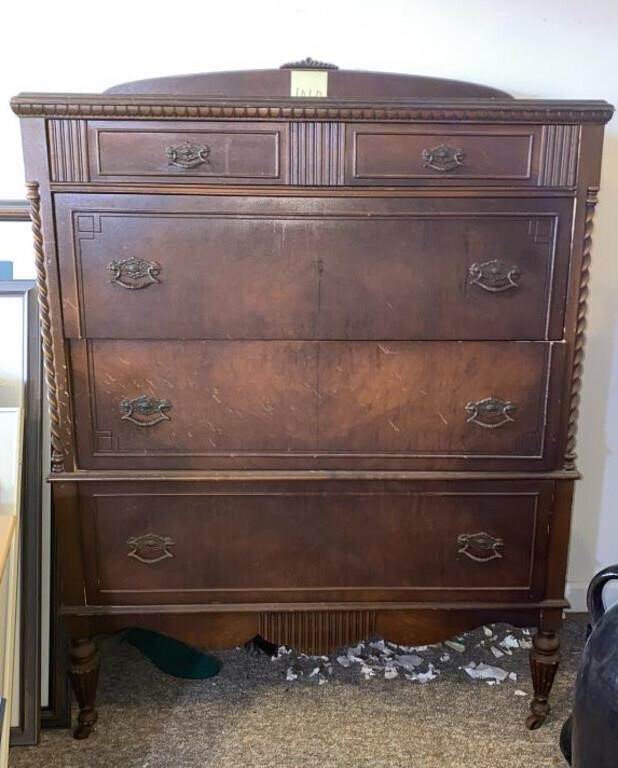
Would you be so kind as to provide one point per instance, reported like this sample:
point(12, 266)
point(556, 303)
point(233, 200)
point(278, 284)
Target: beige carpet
point(250, 715)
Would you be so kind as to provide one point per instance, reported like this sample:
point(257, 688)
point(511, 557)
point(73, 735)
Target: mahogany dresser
point(313, 343)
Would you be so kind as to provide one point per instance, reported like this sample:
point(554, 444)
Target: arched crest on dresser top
point(275, 83)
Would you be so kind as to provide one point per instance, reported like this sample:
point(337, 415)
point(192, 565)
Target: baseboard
point(576, 594)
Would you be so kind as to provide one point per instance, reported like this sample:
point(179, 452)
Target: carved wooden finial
point(308, 63)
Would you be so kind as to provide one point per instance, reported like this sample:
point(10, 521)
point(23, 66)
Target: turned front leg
point(544, 660)
point(84, 674)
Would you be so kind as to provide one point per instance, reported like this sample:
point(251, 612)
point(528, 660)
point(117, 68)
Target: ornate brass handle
point(150, 548)
point(494, 276)
point(188, 155)
point(482, 543)
point(141, 410)
point(443, 158)
point(491, 412)
point(134, 273)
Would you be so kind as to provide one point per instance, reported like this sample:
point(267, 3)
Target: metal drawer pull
point(134, 273)
point(188, 155)
point(443, 158)
point(150, 548)
point(494, 276)
point(481, 542)
point(491, 412)
point(139, 410)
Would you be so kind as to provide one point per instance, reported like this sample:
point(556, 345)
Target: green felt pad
point(173, 657)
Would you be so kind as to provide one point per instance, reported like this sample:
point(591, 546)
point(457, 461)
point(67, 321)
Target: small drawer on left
point(247, 153)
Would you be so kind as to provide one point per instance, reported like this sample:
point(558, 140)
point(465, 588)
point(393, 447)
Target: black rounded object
point(565, 739)
point(594, 738)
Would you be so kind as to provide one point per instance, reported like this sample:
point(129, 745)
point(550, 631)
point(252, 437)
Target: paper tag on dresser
point(308, 84)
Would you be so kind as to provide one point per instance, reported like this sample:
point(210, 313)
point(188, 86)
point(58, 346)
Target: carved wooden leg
point(544, 660)
point(84, 677)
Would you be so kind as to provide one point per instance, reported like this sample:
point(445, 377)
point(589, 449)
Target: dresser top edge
point(128, 106)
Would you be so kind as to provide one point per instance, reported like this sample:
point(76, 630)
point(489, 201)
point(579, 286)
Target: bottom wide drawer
point(202, 544)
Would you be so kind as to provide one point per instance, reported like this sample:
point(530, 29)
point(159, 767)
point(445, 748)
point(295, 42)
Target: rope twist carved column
point(57, 450)
point(570, 457)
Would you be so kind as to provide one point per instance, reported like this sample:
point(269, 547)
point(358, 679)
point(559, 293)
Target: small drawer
point(388, 155)
point(215, 543)
point(248, 153)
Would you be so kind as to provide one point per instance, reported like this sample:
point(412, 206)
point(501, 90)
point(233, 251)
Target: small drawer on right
point(477, 155)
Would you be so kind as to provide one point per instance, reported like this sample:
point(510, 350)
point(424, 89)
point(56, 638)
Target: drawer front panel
point(368, 270)
point(157, 404)
point(433, 397)
point(387, 155)
point(251, 153)
point(205, 545)
point(216, 396)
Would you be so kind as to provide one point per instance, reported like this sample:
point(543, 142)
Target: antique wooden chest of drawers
point(313, 361)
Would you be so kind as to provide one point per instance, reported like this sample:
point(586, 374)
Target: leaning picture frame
point(25, 717)
point(41, 684)
point(11, 474)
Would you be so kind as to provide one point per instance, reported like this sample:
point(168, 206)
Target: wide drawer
point(312, 268)
point(255, 403)
point(251, 153)
point(214, 543)
point(426, 155)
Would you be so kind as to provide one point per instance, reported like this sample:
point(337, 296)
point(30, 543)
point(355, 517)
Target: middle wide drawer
point(239, 404)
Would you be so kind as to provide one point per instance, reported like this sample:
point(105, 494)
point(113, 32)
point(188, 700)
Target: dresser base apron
point(318, 630)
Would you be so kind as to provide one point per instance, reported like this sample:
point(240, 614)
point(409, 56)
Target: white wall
point(545, 48)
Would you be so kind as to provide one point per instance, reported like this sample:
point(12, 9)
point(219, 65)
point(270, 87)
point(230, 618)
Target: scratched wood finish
point(339, 399)
point(314, 268)
point(315, 291)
